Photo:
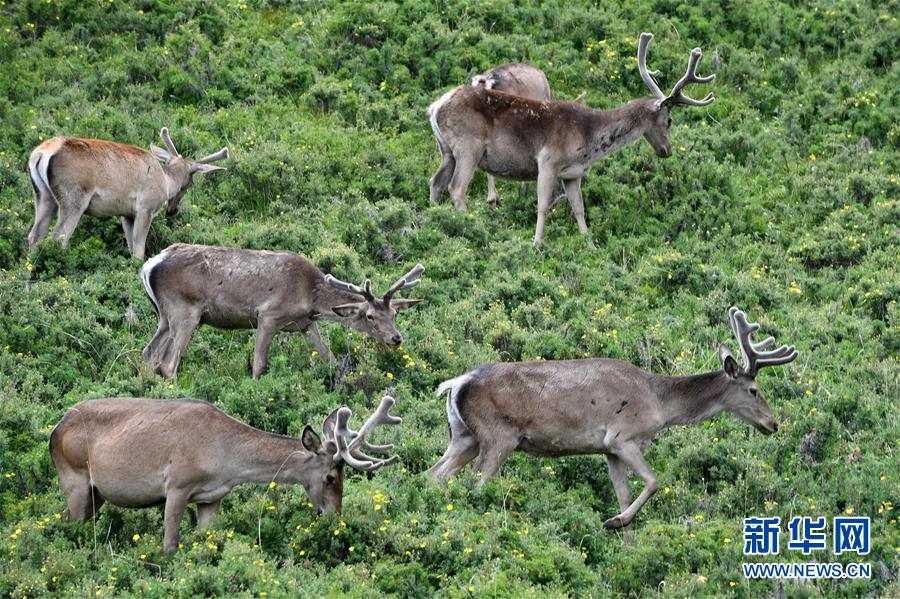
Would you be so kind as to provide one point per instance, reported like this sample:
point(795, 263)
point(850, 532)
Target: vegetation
point(781, 198)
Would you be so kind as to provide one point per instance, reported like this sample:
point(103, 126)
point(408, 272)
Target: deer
point(72, 176)
point(139, 453)
point(520, 79)
point(588, 406)
point(522, 139)
point(270, 291)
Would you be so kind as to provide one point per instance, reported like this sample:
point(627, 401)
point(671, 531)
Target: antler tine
point(345, 286)
point(220, 155)
point(691, 76)
point(407, 281)
point(754, 357)
point(164, 134)
point(648, 76)
point(352, 453)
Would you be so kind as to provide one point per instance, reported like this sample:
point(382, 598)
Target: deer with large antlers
point(73, 176)
point(230, 288)
point(568, 407)
point(138, 453)
point(517, 138)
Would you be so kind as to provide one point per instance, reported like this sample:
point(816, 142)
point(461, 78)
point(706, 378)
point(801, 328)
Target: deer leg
point(44, 212)
point(619, 476)
point(139, 233)
point(82, 499)
point(493, 198)
point(462, 449)
point(576, 202)
point(206, 512)
point(176, 502)
point(493, 454)
point(265, 332)
point(545, 181)
point(183, 328)
point(128, 229)
point(312, 333)
point(631, 456)
point(71, 207)
point(154, 351)
point(462, 177)
point(442, 176)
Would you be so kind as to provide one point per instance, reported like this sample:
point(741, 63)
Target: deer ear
point(328, 425)
point(404, 304)
point(161, 154)
point(198, 167)
point(729, 364)
point(310, 440)
point(346, 310)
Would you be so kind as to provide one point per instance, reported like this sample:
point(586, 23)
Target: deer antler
point(407, 281)
point(366, 292)
point(164, 134)
point(676, 96)
point(754, 358)
point(691, 76)
point(352, 453)
point(220, 155)
point(648, 76)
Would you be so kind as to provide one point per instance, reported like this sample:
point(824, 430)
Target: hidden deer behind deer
point(522, 139)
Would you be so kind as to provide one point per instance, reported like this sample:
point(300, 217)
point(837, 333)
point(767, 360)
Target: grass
point(781, 198)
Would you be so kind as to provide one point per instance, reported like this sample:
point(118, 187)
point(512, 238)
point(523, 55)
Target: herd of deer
point(143, 452)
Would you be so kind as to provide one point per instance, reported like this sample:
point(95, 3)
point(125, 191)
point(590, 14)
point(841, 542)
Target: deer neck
point(618, 127)
point(262, 457)
point(325, 297)
point(691, 399)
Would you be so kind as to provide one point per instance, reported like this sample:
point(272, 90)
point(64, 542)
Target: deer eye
point(670, 122)
point(369, 316)
point(329, 479)
point(753, 391)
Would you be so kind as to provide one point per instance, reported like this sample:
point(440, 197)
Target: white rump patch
point(148, 267)
point(453, 386)
point(433, 114)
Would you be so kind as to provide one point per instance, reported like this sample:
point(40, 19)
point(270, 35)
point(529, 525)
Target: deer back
point(558, 407)
point(107, 169)
point(232, 286)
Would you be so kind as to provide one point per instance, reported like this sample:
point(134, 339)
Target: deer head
point(743, 398)
point(375, 316)
point(181, 170)
point(658, 133)
point(323, 474)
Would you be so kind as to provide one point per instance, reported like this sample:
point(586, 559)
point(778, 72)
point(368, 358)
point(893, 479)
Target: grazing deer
point(73, 176)
point(230, 288)
point(568, 407)
point(519, 79)
point(516, 138)
point(138, 453)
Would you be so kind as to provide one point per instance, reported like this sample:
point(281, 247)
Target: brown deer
point(138, 453)
point(519, 79)
point(73, 176)
point(568, 407)
point(517, 138)
point(230, 288)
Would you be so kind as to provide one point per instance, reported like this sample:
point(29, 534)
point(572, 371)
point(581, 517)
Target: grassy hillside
point(781, 198)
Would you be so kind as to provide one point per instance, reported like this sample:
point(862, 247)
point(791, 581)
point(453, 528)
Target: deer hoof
point(614, 523)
